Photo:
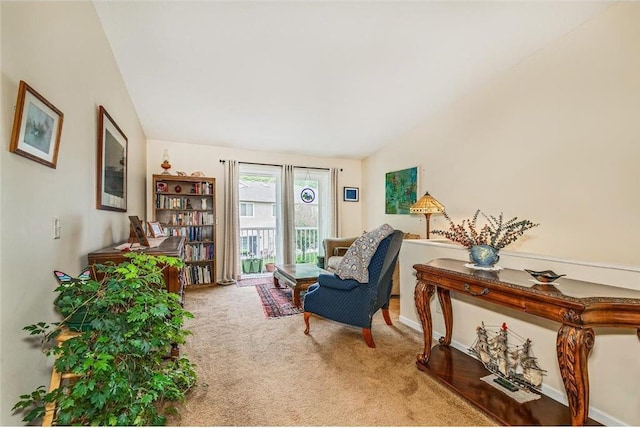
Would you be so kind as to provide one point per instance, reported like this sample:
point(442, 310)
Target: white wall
point(59, 49)
point(206, 158)
point(553, 139)
point(613, 364)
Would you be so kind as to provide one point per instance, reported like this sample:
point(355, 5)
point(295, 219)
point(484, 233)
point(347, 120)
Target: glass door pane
point(260, 236)
point(311, 191)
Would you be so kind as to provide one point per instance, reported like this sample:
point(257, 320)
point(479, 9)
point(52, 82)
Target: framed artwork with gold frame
point(37, 126)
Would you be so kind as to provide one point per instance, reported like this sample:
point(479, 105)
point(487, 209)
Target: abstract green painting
point(400, 190)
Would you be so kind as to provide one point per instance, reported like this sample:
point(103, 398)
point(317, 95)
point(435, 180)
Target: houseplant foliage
point(126, 377)
point(495, 234)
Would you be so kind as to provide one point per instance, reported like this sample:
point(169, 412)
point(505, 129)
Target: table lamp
point(427, 205)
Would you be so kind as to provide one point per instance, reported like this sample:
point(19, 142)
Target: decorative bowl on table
point(544, 276)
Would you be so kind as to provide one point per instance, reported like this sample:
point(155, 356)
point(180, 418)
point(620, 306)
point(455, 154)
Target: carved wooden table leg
point(573, 347)
point(444, 297)
point(422, 296)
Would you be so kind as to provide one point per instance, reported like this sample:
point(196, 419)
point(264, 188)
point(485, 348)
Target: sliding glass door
point(260, 215)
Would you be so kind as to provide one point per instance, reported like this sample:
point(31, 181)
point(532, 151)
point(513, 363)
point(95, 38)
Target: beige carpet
point(254, 371)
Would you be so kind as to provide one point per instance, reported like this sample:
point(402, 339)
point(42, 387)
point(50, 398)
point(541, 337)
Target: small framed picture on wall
point(351, 194)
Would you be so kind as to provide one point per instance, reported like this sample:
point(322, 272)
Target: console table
point(577, 305)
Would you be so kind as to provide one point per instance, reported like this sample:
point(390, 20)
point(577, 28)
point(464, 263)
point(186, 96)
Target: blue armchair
point(351, 302)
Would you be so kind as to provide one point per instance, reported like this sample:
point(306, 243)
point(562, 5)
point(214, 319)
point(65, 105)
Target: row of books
point(197, 274)
point(182, 203)
point(191, 219)
point(198, 252)
point(191, 233)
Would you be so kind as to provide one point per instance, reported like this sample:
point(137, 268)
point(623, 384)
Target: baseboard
point(552, 393)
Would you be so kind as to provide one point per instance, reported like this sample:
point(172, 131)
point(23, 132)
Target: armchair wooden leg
point(387, 318)
point(368, 337)
point(306, 322)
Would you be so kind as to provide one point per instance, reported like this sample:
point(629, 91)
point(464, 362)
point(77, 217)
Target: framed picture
point(137, 232)
point(155, 228)
point(112, 164)
point(351, 194)
point(37, 126)
point(162, 187)
point(400, 191)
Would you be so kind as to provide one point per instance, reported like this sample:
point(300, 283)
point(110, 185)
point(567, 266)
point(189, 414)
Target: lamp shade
point(427, 205)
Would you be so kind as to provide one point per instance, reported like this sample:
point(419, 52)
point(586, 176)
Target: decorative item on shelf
point(515, 365)
point(181, 173)
point(165, 163)
point(491, 238)
point(197, 174)
point(544, 276)
point(427, 205)
point(178, 188)
point(162, 187)
point(203, 203)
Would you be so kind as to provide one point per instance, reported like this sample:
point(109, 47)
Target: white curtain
point(334, 203)
point(288, 216)
point(230, 263)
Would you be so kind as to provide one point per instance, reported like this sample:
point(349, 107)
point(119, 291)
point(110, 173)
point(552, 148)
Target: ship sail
point(517, 363)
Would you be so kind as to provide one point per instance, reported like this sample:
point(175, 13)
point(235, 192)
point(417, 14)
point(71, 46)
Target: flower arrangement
point(497, 232)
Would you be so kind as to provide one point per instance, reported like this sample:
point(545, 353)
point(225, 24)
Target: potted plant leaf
point(125, 375)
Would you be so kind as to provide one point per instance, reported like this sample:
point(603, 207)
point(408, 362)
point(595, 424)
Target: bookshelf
point(186, 206)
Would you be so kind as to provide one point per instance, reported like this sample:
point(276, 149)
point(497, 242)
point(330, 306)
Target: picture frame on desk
point(112, 164)
point(155, 228)
point(137, 232)
point(37, 126)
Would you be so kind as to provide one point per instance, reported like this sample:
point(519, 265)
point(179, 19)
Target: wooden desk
point(173, 246)
point(577, 305)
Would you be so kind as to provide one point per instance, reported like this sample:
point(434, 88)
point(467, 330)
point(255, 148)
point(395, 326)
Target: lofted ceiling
point(320, 78)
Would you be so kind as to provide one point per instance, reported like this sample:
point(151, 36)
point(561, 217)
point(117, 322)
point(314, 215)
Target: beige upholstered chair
point(334, 249)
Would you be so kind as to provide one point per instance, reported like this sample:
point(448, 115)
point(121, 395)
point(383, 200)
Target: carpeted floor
point(258, 372)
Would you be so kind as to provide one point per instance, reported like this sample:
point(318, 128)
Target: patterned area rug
point(277, 302)
point(254, 280)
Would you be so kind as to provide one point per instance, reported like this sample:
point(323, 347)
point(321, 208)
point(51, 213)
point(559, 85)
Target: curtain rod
point(273, 164)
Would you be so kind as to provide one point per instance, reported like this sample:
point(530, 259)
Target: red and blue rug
point(276, 302)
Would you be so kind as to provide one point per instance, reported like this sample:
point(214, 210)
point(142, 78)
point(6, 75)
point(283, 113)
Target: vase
point(484, 255)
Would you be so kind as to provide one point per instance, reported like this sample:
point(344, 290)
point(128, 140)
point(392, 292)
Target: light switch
point(55, 227)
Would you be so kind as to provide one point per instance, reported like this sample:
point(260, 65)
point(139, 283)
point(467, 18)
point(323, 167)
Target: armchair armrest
point(333, 281)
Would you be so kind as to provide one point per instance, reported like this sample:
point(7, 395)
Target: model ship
point(515, 364)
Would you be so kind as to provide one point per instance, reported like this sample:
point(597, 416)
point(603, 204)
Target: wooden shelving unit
point(186, 206)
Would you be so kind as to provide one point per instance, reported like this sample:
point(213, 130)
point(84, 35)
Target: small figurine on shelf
point(204, 203)
point(189, 207)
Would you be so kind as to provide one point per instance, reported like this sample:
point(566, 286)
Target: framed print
point(37, 126)
point(112, 164)
point(351, 194)
point(155, 229)
point(400, 191)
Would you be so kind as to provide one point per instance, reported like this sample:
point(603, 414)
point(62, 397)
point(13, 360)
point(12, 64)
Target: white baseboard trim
point(552, 393)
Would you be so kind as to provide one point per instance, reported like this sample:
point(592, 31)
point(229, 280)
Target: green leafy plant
point(496, 232)
point(125, 374)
